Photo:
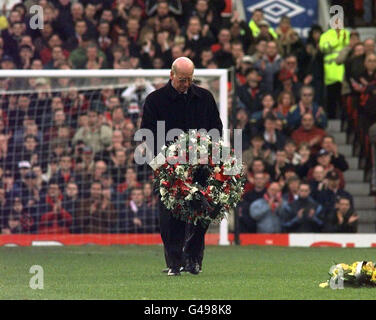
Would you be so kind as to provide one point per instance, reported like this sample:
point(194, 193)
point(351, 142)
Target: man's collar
point(174, 93)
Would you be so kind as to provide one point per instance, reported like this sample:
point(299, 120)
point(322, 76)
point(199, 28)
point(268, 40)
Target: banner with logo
point(303, 13)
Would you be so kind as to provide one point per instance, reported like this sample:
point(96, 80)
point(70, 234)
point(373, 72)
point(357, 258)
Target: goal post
point(19, 82)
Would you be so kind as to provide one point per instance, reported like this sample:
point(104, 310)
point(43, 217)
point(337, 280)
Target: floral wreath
point(358, 274)
point(199, 191)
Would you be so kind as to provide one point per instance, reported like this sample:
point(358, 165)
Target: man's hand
point(353, 218)
point(137, 222)
point(300, 213)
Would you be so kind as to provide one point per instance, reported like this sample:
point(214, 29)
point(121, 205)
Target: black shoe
point(193, 267)
point(174, 271)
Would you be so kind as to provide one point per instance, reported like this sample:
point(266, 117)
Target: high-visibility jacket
point(330, 45)
point(256, 30)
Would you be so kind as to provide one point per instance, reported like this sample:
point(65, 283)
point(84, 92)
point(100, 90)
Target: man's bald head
point(182, 73)
point(182, 64)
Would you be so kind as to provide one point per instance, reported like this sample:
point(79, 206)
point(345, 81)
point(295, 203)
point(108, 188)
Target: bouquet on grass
point(199, 189)
point(358, 274)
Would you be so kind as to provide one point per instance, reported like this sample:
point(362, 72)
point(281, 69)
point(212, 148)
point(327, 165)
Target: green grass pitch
point(134, 272)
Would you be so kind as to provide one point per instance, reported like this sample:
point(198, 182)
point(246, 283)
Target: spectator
point(254, 24)
point(256, 150)
point(65, 172)
point(56, 219)
point(267, 210)
point(292, 189)
point(95, 214)
point(243, 123)
point(18, 220)
point(318, 181)
point(137, 217)
point(288, 40)
point(285, 101)
point(337, 159)
point(246, 223)
point(70, 202)
point(269, 65)
point(251, 92)
point(329, 195)
point(268, 104)
point(95, 134)
point(324, 159)
point(309, 133)
point(196, 38)
point(274, 139)
point(303, 214)
point(306, 105)
point(342, 219)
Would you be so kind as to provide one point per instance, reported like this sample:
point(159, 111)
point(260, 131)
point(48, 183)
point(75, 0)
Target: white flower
point(223, 197)
point(217, 169)
point(193, 190)
point(188, 197)
point(179, 170)
point(163, 191)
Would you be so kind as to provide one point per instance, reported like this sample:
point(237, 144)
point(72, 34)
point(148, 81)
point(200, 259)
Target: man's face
point(100, 167)
point(304, 191)
point(318, 173)
point(307, 122)
point(194, 26)
point(23, 102)
point(96, 190)
point(257, 16)
point(369, 46)
point(271, 49)
point(273, 189)
point(290, 148)
point(333, 184)
point(30, 144)
point(280, 156)
point(259, 179)
point(261, 47)
point(72, 190)
point(224, 36)
point(92, 118)
point(269, 125)
point(257, 167)
point(53, 191)
point(307, 96)
point(344, 205)
point(137, 196)
point(181, 79)
point(162, 9)
point(121, 157)
point(130, 175)
point(65, 163)
point(253, 79)
point(324, 160)
point(327, 144)
point(237, 50)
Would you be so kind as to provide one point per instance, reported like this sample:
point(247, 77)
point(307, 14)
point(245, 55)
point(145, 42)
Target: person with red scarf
point(266, 211)
point(56, 219)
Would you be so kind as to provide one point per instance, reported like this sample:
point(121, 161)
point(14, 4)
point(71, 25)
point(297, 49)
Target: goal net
point(67, 165)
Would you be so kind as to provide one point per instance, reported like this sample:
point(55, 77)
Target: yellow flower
point(373, 279)
point(344, 266)
point(324, 284)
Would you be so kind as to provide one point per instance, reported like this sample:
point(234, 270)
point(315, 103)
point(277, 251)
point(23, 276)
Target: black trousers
point(334, 100)
point(181, 240)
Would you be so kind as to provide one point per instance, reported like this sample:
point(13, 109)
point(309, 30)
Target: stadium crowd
point(66, 157)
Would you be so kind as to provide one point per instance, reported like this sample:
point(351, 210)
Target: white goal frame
point(222, 74)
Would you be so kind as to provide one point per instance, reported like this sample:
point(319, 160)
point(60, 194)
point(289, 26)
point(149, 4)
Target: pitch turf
point(134, 272)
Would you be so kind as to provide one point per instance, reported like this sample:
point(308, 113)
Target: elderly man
point(181, 105)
